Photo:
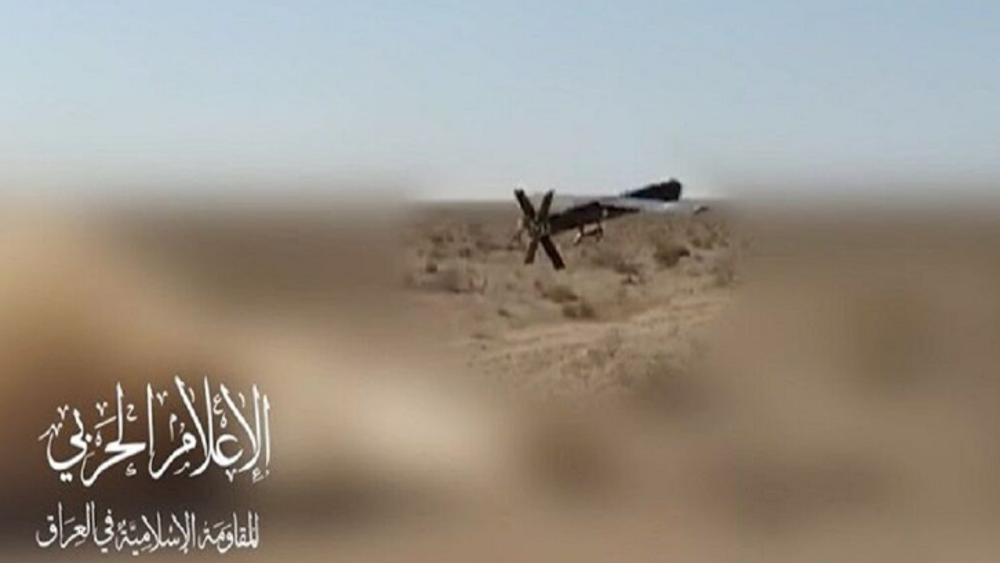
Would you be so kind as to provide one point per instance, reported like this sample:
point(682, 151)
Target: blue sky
point(464, 99)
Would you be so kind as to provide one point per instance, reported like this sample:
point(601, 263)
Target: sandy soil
point(688, 389)
point(647, 292)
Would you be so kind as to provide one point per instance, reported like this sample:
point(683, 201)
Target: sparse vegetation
point(612, 259)
point(440, 238)
point(453, 280)
point(558, 293)
point(486, 244)
point(669, 253)
point(581, 310)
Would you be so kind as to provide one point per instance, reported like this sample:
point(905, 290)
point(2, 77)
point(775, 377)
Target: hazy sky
point(464, 99)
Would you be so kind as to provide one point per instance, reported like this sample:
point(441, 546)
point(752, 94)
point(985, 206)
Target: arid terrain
point(689, 389)
point(639, 299)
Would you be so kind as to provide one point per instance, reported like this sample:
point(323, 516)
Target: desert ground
point(707, 388)
point(645, 293)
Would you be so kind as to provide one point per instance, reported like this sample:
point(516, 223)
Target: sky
point(462, 99)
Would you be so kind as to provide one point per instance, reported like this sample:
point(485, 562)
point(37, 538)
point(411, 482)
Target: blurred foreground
point(800, 386)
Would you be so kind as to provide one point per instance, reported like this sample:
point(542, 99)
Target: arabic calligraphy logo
point(185, 432)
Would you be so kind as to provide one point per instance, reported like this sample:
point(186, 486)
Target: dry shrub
point(700, 236)
point(706, 241)
point(486, 245)
point(481, 239)
point(451, 280)
point(580, 310)
point(669, 253)
point(632, 279)
point(440, 238)
point(454, 280)
point(558, 293)
point(611, 259)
